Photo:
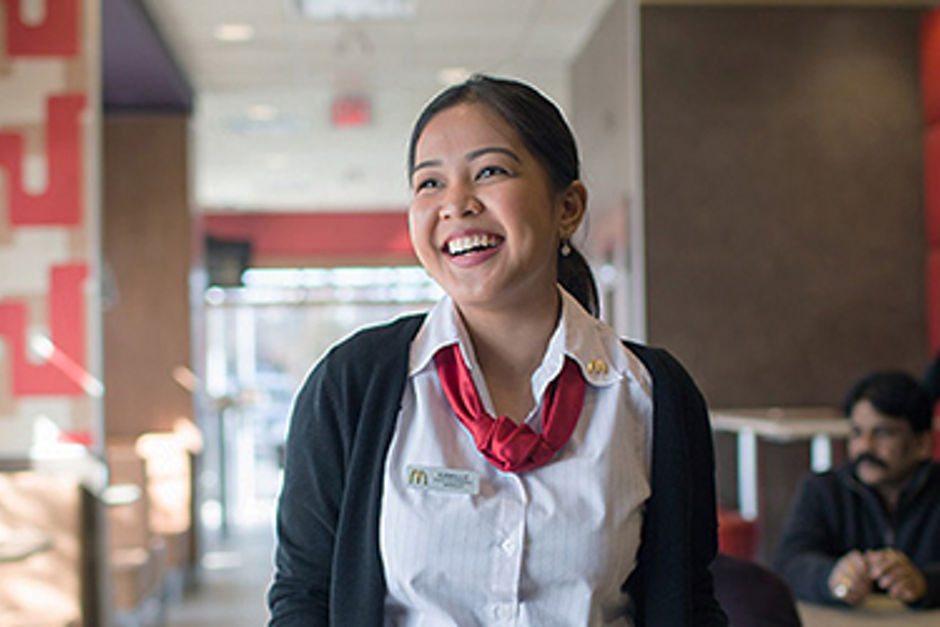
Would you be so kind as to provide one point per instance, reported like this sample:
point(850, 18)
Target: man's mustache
point(871, 459)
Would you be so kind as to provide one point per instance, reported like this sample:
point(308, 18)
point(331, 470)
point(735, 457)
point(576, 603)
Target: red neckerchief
point(509, 446)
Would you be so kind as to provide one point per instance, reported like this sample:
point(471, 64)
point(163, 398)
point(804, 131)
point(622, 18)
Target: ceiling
point(263, 136)
point(262, 133)
point(289, 50)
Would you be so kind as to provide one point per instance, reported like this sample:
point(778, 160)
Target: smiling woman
point(505, 457)
point(485, 221)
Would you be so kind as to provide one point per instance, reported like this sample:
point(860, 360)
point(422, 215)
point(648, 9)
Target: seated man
point(873, 524)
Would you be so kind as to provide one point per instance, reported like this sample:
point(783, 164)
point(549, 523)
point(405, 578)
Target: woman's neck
point(509, 346)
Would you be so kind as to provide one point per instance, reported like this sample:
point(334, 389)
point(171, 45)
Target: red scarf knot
point(509, 446)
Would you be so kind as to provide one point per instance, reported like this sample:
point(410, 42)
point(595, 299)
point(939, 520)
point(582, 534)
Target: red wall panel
point(55, 35)
point(64, 372)
point(342, 236)
point(930, 66)
point(930, 89)
point(933, 299)
point(61, 202)
point(932, 184)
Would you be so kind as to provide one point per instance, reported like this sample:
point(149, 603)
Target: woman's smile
point(468, 248)
point(484, 220)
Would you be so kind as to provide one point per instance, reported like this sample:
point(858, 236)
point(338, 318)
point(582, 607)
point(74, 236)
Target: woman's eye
point(490, 170)
point(427, 184)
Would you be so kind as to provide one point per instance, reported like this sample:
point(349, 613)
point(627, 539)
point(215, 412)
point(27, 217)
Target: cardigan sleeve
point(703, 515)
point(806, 554)
point(673, 582)
point(328, 569)
point(308, 506)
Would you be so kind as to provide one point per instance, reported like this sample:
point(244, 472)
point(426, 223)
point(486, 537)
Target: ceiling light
point(262, 112)
point(276, 161)
point(453, 75)
point(278, 126)
point(357, 9)
point(234, 32)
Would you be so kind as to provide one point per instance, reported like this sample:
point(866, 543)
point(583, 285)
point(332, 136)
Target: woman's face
point(484, 219)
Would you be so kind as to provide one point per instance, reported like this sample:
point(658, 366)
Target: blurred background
point(198, 198)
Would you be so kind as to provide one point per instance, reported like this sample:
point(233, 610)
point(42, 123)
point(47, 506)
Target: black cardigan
point(328, 566)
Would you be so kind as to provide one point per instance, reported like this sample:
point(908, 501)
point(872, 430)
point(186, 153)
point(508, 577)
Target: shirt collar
point(578, 335)
point(442, 327)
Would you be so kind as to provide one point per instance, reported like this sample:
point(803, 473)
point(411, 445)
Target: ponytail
point(575, 276)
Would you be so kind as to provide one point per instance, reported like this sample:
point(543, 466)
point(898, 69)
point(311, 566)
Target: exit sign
point(350, 111)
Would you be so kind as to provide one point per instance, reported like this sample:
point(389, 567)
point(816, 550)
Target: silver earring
point(565, 249)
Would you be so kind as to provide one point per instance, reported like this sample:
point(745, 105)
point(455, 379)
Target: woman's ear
point(573, 205)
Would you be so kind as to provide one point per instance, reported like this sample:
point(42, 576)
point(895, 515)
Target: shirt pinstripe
point(551, 546)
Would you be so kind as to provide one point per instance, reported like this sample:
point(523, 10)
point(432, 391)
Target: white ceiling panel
point(298, 160)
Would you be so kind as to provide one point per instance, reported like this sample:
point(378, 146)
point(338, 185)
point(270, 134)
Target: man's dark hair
point(895, 394)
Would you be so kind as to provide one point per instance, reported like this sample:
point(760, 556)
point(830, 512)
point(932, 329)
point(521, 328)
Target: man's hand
point(849, 580)
point(896, 575)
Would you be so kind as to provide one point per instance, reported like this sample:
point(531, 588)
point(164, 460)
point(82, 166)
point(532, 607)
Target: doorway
point(262, 338)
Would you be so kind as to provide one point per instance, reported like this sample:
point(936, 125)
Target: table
point(819, 425)
point(60, 458)
point(876, 610)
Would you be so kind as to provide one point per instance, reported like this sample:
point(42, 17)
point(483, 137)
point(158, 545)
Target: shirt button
point(508, 546)
point(502, 612)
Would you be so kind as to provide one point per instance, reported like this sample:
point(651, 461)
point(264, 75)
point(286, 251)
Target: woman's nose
point(460, 201)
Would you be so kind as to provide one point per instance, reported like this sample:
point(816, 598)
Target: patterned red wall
point(45, 241)
point(61, 202)
point(62, 373)
point(56, 35)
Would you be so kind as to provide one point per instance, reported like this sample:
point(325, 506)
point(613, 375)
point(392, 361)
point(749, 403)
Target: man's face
point(884, 450)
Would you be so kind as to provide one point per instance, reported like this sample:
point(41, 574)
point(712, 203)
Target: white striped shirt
point(549, 546)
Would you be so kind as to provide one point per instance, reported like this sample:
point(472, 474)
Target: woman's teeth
point(462, 245)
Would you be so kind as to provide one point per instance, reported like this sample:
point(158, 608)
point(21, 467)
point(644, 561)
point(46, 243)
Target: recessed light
point(453, 75)
point(357, 9)
point(276, 161)
point(233, 32)
point(262, 112)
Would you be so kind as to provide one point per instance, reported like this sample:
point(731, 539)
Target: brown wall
point(785, 237)
point(602, 119)
point(146, 245)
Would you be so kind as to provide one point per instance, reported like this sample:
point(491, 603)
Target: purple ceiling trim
point(139, 72)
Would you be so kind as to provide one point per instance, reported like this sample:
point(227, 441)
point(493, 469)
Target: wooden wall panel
point(147, 247)
point(783, 179)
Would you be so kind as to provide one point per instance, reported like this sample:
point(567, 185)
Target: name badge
point(443, 480)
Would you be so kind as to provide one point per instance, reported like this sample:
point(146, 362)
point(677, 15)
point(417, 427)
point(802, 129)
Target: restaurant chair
point(737, 536)
point(51, 544)
point(753, 596)
point(137, 556)
point(170, 488)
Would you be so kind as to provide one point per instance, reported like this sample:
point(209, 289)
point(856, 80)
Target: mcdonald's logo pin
point(417, 477)
point(443, 480)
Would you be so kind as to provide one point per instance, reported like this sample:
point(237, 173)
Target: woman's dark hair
point(896, 394)
point(544, 133)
